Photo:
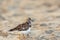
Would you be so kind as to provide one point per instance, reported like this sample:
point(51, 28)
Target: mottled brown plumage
point(23, 27)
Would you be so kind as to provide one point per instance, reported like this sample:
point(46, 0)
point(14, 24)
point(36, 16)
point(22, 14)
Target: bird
point(23, 27)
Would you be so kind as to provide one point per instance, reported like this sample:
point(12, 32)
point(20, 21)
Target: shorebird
point(24, 28)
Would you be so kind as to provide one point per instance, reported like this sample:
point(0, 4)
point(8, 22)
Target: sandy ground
point(45, 23)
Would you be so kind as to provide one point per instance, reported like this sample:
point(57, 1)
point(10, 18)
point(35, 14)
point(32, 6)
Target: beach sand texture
point(44, 14)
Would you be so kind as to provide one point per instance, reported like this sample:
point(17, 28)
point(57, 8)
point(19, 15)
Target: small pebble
point(57, 16)
point(50, 11)
point(17, 14)
point(41, 38)
point(47, 4)
point(49, 31)
point(43, 24)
